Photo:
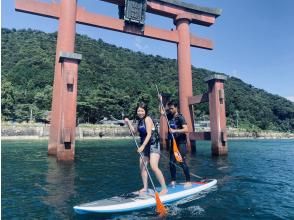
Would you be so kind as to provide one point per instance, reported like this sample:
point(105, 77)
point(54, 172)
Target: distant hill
point(112, 79)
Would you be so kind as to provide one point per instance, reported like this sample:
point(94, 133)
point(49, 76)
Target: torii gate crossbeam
point(52, 10)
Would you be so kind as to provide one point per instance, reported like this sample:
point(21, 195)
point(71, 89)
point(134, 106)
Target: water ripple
point(254, 181)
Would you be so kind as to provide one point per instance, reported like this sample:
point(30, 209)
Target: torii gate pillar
point(185, 72)
point(63, 117)
point(217, 114)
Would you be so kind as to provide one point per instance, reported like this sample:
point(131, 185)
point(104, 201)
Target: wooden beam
point(172, 11)
point(198, 99)
point(102, 21)
point(106, 22)
point(167, 9)
point(193, 8)
point(36, 7)
point(194, 136)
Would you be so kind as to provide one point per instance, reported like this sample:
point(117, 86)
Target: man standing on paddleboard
point(177, 133)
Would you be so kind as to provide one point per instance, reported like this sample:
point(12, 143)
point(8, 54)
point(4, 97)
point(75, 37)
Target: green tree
point(111, 80)
point(7, 100)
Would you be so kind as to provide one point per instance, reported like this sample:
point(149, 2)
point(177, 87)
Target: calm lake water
point(255, 181)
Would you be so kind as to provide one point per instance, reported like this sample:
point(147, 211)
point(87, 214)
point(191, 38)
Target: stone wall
point(83, 131)
point(102, 131)
point(35, 130)
point(239, 133)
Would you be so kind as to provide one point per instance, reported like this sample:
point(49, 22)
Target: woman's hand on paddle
point(129, 124)
point(171, 130)
point(140, 149)
point(161, 108)
point(126, 120)
point(160, 97)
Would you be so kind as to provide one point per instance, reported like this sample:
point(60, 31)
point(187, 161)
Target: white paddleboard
point(134, 201)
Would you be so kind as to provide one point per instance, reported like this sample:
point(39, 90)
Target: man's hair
point(173, 102)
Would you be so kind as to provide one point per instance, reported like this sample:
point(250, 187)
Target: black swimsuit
point(153, 144)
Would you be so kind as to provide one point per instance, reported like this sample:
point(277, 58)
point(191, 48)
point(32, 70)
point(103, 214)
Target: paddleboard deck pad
point(136, 201)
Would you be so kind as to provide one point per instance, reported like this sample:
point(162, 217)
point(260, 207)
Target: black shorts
point(151, 148)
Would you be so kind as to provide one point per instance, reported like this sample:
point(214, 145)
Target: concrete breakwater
point(41, 131)
point(88, 131)
point(234, 133)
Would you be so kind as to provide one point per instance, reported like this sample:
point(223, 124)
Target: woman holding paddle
point(149, 147)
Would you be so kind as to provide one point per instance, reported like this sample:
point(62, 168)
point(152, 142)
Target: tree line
point(113, 79)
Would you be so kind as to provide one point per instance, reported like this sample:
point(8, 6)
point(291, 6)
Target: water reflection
point(221, 162)
point(59, 187)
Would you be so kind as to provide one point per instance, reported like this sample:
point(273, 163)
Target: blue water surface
point(255, 180)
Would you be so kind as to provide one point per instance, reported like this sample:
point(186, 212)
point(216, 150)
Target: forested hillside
point(113, 79)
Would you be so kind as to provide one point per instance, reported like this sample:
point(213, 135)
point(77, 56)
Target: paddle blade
point(159, 206)
point(177, 152)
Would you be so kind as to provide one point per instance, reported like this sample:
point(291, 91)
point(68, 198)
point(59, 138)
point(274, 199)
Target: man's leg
point(172, 167)
point(183, 151)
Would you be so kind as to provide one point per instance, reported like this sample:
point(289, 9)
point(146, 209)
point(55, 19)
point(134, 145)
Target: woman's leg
point(154, 160)
point(144, 174)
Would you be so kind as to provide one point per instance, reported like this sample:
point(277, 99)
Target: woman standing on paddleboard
point(149, 146)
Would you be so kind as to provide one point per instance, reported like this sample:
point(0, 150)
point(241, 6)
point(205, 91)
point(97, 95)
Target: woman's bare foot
point(143, 191)
point(187, 184)
point(163, 191)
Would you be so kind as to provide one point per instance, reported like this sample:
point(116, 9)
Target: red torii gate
point(63, 118)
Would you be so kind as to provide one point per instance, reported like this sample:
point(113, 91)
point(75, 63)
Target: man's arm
point(180, 130)
point(184, 126)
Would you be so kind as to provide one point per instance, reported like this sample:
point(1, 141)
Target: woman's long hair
point(144, 106)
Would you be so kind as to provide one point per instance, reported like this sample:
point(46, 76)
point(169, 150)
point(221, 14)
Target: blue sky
point(253, 39)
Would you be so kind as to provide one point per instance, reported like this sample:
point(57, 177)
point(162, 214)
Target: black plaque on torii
point(134, 12)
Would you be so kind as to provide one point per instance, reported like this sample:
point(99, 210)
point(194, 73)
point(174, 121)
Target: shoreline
point(37, 131)
point(46, 138)
point(35, 137)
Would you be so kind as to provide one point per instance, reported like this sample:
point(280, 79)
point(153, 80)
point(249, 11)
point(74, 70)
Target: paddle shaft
point(192, 174)
point(142, 158)
point(177, 153)
point(162, 107)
